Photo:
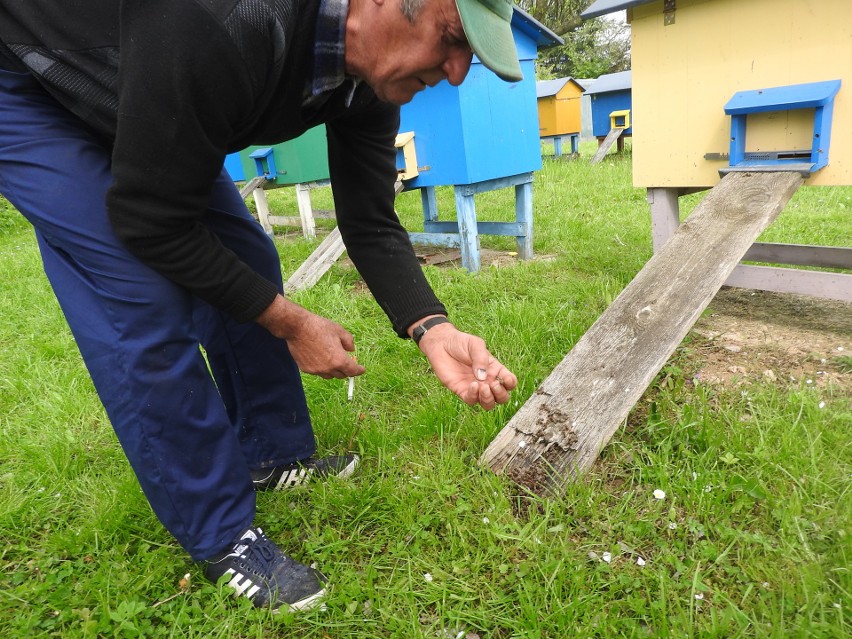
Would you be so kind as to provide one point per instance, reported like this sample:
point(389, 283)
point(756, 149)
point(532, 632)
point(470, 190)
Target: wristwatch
point(421, 329)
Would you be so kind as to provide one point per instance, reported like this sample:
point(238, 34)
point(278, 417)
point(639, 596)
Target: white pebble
point(607, 557)
point(427, 577)
point(640, 561)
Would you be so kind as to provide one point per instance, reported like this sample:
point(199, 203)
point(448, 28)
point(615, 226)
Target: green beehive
point(304, 159)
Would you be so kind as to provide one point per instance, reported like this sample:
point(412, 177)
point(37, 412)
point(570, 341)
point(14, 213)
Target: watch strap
point(421, 329)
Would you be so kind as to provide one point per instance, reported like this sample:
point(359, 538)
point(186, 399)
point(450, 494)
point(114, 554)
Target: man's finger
point(499, 391)
point(506, 378)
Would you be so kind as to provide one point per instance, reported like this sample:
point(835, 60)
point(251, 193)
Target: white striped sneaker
point(257, 569)
point(298, 473)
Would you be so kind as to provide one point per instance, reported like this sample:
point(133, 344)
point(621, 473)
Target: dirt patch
point(445, 257)
point(748, 336)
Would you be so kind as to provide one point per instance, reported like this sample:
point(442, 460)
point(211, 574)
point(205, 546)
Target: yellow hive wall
point(547, 116)
point(684, 73)
point(559, 114)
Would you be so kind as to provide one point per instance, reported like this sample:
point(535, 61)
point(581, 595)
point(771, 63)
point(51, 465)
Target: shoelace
point(260, 554)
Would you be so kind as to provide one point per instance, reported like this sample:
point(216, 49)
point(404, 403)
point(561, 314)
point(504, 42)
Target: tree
point(592, 47)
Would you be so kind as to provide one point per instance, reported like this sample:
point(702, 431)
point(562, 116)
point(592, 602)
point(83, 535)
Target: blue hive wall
point(605, 103)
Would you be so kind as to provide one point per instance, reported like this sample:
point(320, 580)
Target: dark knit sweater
point(172, 86)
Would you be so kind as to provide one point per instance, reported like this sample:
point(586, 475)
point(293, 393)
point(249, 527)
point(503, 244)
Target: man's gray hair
point(411, 8)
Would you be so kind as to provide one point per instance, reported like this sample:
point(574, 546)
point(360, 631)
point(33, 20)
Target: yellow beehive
point(689, 57)
point(558, 106)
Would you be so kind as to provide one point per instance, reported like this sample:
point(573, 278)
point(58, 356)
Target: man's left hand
point(463, 364)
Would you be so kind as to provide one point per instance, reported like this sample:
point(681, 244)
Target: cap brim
point(490, 37)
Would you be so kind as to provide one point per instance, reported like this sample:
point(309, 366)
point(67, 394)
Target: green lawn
point(752, 538)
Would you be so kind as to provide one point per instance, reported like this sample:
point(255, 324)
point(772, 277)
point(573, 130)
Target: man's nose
point(457, 65)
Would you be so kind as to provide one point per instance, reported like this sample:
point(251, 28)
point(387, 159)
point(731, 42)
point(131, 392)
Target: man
point(115, 119)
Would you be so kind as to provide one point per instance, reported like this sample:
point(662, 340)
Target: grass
point(751, 540)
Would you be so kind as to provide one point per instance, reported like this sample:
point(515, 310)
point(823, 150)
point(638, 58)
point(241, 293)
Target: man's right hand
point(319, 346)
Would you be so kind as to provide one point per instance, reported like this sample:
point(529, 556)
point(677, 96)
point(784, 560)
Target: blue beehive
point(481, 135)
point(610, 93)
point(234, 167)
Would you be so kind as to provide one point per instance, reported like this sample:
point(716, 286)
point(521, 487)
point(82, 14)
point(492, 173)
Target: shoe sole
point(350, 468)
point(305, 604)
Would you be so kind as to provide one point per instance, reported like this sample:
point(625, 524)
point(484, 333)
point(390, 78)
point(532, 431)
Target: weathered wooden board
point(559, 433)
point(606, 145)
point(318, 262)
point(251, 185)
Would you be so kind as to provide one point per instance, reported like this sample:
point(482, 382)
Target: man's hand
point(463, 364)
point(319, 346)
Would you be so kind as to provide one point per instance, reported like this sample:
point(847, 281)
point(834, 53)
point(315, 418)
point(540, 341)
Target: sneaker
point(283, 477)
point(257, 569)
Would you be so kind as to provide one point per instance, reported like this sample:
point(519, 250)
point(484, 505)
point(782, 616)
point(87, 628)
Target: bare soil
point(747, 336)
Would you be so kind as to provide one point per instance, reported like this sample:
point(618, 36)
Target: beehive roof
point(547, 88)
point(612, 82)
point(602, 7)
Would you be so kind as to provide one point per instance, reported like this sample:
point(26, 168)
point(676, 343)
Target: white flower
point(822, 404)
point(694, 475)
point(836, 604)
point(640, 561)
point(485, 520)
point(699, 595)
point(809, 381)
point(708, 488)
point(672, 525)
point(659, 494)
point(607, 557)
point(427, 577)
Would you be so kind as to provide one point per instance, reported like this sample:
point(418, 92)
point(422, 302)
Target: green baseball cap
point(487, 25)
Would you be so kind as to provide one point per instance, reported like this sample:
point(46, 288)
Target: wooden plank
point(800, 255)
point(251, 185)
point(261, 203)
point(832, 286)
point(439, 258)
point(318, 262)
point(606, 145)
point(665, 214)
point(560, 431)
point(285, 220)
point(306, 214)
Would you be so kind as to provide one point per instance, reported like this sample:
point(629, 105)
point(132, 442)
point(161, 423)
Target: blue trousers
point(190, 437)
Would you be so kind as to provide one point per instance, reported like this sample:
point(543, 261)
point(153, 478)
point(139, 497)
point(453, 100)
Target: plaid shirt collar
point(329, 49)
